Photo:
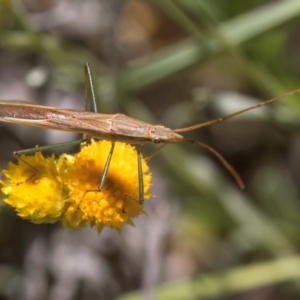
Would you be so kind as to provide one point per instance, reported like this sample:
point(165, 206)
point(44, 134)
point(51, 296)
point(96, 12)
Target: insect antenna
point(224, 162)
point(221, 119)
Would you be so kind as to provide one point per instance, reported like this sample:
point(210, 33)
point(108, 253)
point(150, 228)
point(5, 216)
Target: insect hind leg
point(45, 148)
point(31, 177)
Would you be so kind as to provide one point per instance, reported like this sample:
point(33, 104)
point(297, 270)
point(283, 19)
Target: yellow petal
point(35, 188)
point(117, 203)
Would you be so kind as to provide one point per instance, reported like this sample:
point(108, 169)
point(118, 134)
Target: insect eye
point(156, 140)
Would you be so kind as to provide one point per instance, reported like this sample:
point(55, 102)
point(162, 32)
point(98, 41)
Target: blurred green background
point(175, 63)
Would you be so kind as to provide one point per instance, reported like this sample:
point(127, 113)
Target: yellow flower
point(35, 188)
point(117, 202)
point(44, 190)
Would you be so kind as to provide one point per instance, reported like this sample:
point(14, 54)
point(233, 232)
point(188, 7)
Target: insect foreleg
point(155, 152)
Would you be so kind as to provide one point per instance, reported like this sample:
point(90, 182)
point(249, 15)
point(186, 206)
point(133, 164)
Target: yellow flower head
point(35, 188)
point(117, 202)
point(45, 190)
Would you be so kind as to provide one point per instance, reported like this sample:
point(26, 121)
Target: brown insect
point(114, 128)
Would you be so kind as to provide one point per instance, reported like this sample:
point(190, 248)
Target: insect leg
point(45, 148)
point(106, 167)
point(89, 80)
point(140, 180)
point(140, 175)
point(155, 152)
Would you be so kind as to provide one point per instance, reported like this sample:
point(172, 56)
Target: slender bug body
point(114, 128)
point(118, 127)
